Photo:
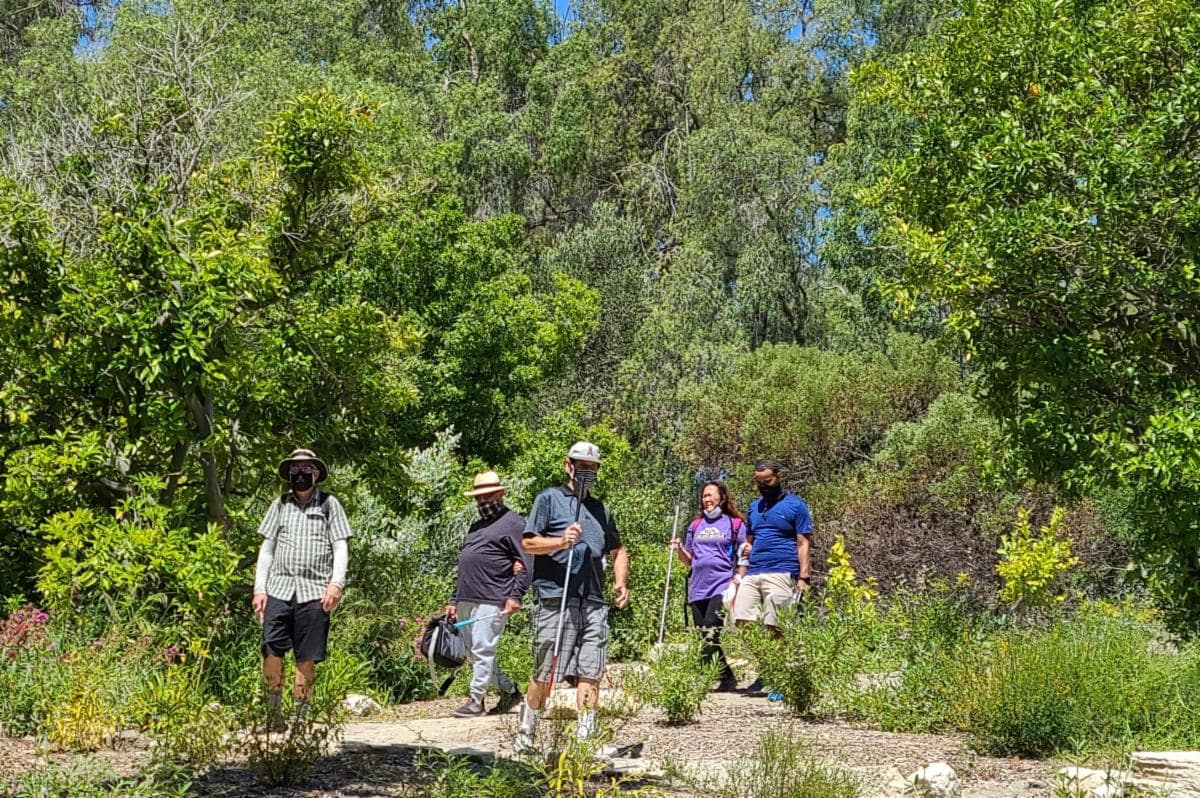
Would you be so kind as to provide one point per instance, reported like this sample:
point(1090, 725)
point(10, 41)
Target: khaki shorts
point(763, 595)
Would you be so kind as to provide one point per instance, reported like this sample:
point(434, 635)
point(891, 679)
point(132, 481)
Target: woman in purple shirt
point(710, 547)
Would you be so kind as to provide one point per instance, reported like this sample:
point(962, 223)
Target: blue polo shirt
point(775, 527)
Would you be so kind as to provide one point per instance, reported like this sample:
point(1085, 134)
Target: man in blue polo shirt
point(779, 532)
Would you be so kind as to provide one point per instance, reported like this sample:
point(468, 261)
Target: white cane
point(662, 618)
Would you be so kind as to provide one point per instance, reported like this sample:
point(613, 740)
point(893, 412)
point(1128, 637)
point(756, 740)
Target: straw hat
point(485, 482)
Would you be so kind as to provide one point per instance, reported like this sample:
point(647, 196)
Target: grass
point(780, 767)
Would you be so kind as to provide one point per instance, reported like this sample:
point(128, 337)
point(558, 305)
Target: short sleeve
point(269, 527)
point(338, 524)
point(689, 537)
point(803, 521)
point(539, 516)
point(612, 538)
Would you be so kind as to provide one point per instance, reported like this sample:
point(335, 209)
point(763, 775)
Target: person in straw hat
point(493, 575)
point(299, 580)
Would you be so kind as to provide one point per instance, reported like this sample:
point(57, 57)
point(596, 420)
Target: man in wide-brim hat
point(300, 577)
point(488, 590)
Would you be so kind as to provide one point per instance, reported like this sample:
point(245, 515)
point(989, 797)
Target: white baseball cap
point(585, 452)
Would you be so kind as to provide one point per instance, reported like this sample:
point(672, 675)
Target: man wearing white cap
point(488, 590)
point(299, 579)
point(555, 538)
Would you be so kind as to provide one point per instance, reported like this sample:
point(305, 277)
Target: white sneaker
point(526, 729)
point(587, 724)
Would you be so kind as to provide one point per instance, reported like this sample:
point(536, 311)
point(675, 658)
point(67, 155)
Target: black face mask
point(770, 491)
point(301, 481)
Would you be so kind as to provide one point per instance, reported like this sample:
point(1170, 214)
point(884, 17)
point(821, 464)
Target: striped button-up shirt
point(303, 563)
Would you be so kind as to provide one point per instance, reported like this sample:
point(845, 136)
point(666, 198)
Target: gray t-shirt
point(553, 511)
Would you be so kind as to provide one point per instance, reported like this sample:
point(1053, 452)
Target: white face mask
point(713, 514)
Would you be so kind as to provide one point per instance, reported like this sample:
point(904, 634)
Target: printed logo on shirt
point(711, 533)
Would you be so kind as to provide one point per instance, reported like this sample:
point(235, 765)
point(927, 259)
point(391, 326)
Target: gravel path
point(378, 757)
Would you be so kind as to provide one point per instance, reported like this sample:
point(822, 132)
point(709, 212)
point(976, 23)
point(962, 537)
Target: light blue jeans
point(481, 640)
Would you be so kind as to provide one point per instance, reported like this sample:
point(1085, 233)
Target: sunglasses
point(303, 469)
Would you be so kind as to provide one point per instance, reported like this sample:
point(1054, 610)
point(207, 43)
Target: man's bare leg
point(273, 681)
point(306, 677)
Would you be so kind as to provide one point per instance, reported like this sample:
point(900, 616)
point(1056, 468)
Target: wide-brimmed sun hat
point(485, 482)
point(303, 456)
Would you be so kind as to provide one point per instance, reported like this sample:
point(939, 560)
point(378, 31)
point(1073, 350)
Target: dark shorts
point(303, 627)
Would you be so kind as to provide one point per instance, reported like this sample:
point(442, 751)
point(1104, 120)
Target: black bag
point(441, 645)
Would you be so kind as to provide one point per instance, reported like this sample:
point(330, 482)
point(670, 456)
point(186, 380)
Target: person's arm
point(524, 576)
point(684, 548)
point(538, 544)
point(620, 562)
point(341, 561)
point(339, 534)
point(803, 546)
point(742, 554)
point(266, 555)
point(804, 530)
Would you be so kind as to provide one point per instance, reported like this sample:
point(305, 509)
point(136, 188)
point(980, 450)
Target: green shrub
point(177, 713)
point(1098, 681)
point(675, 680)
point(92, 778)
point(779, 767)
point(783, 663)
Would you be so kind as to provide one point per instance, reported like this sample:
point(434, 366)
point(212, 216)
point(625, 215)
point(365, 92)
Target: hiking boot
point(507, 702)
point(471, 709)
point(756, 688)
point(276, 723)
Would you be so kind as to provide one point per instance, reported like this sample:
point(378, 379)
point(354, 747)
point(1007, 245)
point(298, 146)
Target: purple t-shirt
point(713, 549)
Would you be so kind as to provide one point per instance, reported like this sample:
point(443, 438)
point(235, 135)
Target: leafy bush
point(1030, 566)
point(783, 663)
point(93, 778)
point(287, 758)
point(175, 711)
point(135, 559)
point(779, 767)
point(1095, 681)
point(675, 680)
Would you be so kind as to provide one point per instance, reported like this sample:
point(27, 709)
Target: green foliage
point(784, 663)
point(178, 714)
point(676, 680)
point(1096, 682)
point(1031, 566)
point(1045, 201)
point(92, 777)
point(779, 765)
point(814, 411)
point(133, 559)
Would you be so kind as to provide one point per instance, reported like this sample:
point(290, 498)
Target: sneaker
point(585, 728)
point(756, 688)
point(471, 709)
point(774, 697)
point(507, 702)
point(526, 730)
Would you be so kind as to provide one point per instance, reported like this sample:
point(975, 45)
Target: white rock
point(613, 701)
point(1092, 783)
point(935, 781)
point(1175, 772)
point(361, 706)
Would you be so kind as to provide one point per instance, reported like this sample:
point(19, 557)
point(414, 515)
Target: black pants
point(706, 615)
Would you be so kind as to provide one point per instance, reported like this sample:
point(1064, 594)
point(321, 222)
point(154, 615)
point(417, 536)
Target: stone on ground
point(1091, 783)
point(1177, 773)
point(361, 706)
point(935, 781)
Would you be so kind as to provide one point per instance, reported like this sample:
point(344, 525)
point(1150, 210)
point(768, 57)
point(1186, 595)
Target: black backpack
point(441, 645)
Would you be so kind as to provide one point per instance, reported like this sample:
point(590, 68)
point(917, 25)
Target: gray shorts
point(584, 650)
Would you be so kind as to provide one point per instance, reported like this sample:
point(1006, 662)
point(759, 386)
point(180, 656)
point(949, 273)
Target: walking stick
point(662, 618)
point(583, 481)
